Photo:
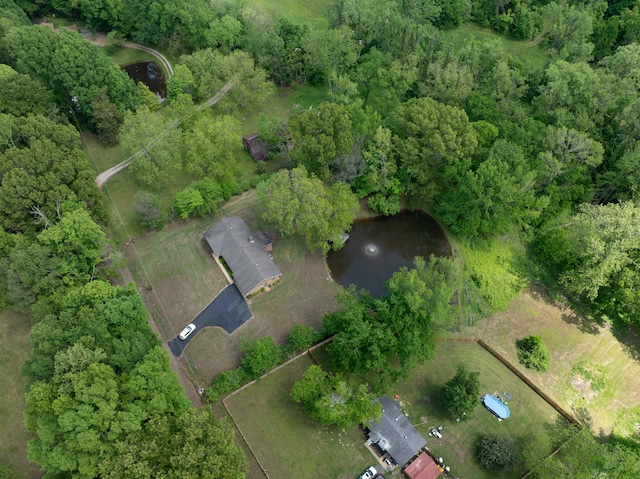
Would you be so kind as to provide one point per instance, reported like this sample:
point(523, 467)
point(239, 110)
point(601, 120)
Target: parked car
point(186, 332)
point(369, 473)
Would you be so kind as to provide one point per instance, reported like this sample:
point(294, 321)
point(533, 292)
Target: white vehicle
point(369, 473)
point(186, 332)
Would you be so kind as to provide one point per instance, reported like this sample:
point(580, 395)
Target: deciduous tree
point(461, 394)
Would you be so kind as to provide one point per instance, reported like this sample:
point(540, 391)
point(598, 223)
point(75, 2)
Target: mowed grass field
point(14, 349)
point(178, 277)
point(286, 441)
point(302, 12)
point(532, 56)
point(592, 373)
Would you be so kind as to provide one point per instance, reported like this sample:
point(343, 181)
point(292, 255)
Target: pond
point(150, 74)
point(378, 247)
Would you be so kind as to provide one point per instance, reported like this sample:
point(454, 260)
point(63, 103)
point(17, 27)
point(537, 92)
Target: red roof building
point(424, 467)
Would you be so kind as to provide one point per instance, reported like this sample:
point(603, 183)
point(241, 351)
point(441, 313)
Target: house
point(256, 147)
point(423, 467)
point(246, 254)
point(394, 433)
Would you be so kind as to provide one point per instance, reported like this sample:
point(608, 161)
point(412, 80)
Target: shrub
point(261, 167)
point(300, 338)
point(497, 451)
point(148, 210)
point(188, 202)
point(225, 383)
point(533, 353)
point(211, 193)
point(260, 356)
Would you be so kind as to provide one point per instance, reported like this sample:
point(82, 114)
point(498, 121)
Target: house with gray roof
point(394, 433)
point(245, 252)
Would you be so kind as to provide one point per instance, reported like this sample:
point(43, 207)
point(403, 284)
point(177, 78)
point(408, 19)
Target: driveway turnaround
point(228, 311)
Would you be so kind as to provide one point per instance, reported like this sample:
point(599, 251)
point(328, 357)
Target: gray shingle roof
point(230, 238)
point(395, 433)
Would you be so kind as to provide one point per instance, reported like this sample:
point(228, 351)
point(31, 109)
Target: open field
point(532, 56)
point(309, 12)
point(287, 442)
point(185, 279)
point(14, 349)
point(592, 373)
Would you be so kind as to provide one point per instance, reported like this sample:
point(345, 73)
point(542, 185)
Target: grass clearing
point(592, 373)
point(185, 279)
point(287, 442)
point(14, 350)
point(533, 57)
point(308, 12)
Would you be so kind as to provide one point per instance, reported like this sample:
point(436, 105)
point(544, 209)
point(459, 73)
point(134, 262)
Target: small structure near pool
point(495, 406)
point(246, 253)
point(423, 467)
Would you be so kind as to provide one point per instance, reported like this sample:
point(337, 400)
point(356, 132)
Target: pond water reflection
point(380, 246)
point(150, 74)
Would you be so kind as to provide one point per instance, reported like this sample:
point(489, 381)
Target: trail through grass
point(14, 349)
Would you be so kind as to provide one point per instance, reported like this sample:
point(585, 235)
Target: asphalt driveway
point(228, 311)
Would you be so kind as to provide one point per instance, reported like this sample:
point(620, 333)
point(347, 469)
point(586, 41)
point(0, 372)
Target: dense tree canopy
point(461, 394)
point(42, 168)
point(331, 399)
point(298, 203)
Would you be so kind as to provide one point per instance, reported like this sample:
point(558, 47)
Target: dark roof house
point(423, 467)
point(244, 252)
point(395, 434)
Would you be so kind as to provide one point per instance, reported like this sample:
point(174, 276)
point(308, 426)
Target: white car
point(186, 332)
point(369, 473)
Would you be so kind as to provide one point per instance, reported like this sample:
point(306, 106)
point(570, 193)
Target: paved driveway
point(228, 311)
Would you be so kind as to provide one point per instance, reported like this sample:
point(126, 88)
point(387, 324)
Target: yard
point(289, 444)
point(592, 373)
point(178, 278)
point(14, 349)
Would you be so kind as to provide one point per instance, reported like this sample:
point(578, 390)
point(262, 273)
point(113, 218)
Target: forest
point(544, 149)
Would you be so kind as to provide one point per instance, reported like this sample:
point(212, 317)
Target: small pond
point(380, 246)
point(150, 74)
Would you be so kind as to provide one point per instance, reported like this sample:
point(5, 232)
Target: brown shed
point(255, 146)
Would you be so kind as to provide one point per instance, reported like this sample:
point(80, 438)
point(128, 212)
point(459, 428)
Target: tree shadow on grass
point(629, 339)
point(585, 325)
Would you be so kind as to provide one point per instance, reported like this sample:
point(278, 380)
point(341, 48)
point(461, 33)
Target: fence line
point(526, 380)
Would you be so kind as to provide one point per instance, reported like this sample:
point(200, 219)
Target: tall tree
point(433, 141)
point(159, 143)
point(43, 168)
point(210, 143)
point(461, 394)
point(297, 203)
point(331, 399)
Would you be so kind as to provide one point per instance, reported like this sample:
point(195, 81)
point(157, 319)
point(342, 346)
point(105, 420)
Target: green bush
point(188, 202)
point(301, 338)
point(498, 451)
point(260, 356)
point(533, 353)
point(225, 383)
point(211, 192)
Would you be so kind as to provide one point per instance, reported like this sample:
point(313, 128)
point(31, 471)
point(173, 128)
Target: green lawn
point(14, 349)
point(308, 11)
point(592, 373)
point(286, 441)
point(532, 56)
